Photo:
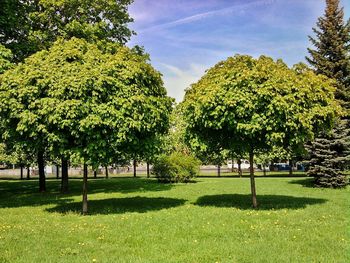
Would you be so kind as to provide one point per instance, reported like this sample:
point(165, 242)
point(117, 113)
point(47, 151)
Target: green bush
point(176, 168)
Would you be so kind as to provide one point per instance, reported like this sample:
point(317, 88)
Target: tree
point(254, 104)
point(331, 57)
point(94, 102)
point(332, 45)
point(29, 26)
point(5, 59)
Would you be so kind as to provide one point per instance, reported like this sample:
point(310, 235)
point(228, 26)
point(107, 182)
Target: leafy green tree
point(93, 103)
point(5, 59)
point(29, 26)
point(254, 104)
point(331, 57)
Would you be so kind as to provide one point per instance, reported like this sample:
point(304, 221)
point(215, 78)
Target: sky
point(186, 37)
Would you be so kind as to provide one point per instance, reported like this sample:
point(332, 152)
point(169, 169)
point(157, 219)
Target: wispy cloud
point(224, 11)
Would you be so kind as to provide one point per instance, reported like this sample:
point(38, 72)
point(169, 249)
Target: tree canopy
point(252, 105)
point(29, 26)
point(89, 101)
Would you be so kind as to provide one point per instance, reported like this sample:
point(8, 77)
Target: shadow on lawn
point(120, 205)
point(266, 202)
point(307, 182)
point(25, 193)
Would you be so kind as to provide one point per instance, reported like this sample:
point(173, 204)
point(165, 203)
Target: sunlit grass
point(139, 220)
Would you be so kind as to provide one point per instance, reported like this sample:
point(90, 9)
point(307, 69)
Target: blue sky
point(186, 37)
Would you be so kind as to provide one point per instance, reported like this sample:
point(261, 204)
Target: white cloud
point(176, 80)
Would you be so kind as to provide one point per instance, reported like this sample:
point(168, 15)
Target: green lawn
point(139, 220)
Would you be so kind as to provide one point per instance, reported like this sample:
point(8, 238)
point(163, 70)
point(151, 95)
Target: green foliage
point(174, 140)
point(77, 98)
point(176, 168)
point(331, 56)
point(330, 154)
point(245, 104)
point(29, 26)
point(5, 59)
point(330, 157)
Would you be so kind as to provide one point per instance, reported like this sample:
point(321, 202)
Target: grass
point(139, 220)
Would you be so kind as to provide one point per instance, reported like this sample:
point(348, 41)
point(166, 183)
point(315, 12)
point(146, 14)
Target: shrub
point(176, 168)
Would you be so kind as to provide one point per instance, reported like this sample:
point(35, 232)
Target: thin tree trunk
point(21, 172)
point(252, 179)
point(290, 167)
point(219, 170)
point(28, 173)
point(57, 172)
point(64, 177)
point(95, 174)
point(232, 167)
point(85, 200)
point(41, 165)
point(134, 168)
point(147, 169)
point(106, 172)
point(264, 170)
point(239, 163)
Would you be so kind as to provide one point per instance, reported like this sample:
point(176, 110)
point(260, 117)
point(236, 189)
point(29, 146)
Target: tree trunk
point(239, 163)
point(21, 172)
point(134, 164)
point(41, 165)
point(57, 171)
point(85, 200)
point(95, 174)
point(252, 179)
point(106, 172)
point(64, 177)
point(28, 173)
point(147, 169)
point(264, 170)
point(232, 167)
point(219, 170)
point(290, 167)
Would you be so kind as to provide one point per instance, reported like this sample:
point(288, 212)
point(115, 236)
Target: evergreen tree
point(330, 153)
point(332, 43)
point(329, 156)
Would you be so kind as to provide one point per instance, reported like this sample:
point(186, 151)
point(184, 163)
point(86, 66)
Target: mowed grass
point(139, 220)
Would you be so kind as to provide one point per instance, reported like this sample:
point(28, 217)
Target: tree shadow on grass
point(266, 202)
point(25, 193)
point(119, 205)
point(307, 182)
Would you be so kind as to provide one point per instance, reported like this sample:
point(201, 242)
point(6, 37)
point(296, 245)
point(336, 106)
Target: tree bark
point(290, 167)
point(28, 173)
point(264, 170)
point(95, 174)
point(219, 170)
point(41, 165)
point(134, 164)
point(147, 169)
point(57, 171)
point(252, 179)
point(106, 172)
point(85, 200)
point(21, 172)
point(239, 164)
point(64, 177)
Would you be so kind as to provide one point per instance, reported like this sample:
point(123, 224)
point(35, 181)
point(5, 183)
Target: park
point(98, 163)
